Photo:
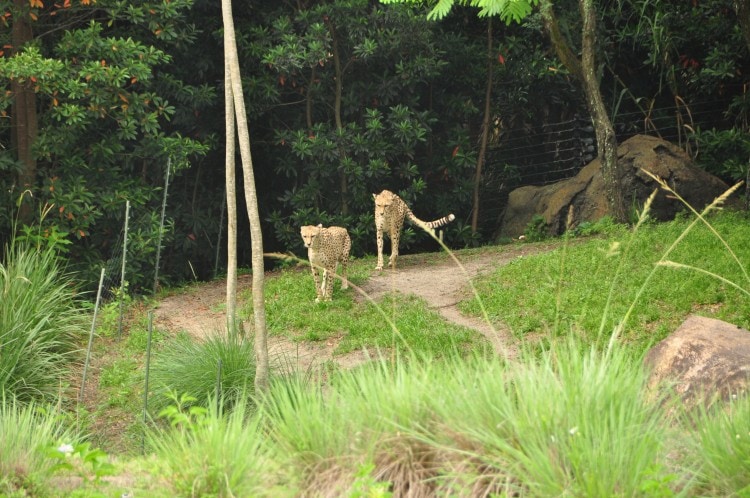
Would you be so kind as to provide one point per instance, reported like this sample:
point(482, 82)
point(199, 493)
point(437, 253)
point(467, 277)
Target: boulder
point(702, 360)
point(585, 192)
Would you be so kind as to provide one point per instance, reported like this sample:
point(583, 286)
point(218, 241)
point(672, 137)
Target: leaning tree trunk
point(485, 130)
point(605, 133)
point(23, 114)
point(256, 237)
point(586, 72)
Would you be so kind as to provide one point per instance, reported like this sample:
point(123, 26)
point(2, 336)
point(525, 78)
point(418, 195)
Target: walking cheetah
point(390, 211)
point(326, 247)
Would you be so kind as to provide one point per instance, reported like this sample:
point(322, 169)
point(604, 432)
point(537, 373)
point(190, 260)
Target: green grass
point(28, 432)
point(576, 423)
point(721, 450)
point(40, 323)
point(221, 366)
point(587, 287)
point(291, 311)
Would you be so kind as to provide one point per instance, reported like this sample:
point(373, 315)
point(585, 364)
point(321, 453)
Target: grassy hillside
point(439, 416)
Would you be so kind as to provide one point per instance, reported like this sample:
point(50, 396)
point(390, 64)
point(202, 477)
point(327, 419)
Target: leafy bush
point(724, 152)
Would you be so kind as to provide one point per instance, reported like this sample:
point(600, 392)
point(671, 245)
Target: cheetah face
point(382, 203)
point(309, 233)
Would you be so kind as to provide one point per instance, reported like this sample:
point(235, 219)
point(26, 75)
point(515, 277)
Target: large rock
point(703, 359)
point(585, 191)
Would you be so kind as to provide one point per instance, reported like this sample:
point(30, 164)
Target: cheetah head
point(383, 200)
point(309, 233)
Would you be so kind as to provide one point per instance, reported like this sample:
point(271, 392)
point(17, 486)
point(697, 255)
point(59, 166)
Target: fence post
point(122, 273)
point(91, 338)
point(161, 224)
point(145, 387)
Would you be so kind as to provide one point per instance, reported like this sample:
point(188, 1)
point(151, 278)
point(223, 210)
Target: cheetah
point(390, 211)
point(326, 247)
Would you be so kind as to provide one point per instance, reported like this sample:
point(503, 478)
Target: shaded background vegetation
point(345, 98)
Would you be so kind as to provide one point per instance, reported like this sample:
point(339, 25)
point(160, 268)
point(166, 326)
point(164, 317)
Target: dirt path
point(199, 311)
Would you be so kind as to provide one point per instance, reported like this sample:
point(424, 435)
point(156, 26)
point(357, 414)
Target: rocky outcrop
point(585, 191)
point(703, 360)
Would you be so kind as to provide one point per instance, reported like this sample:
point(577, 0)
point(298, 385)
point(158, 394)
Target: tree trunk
point(344, 182)
point(485, 129)
point(24, 123)
point(742, 8)
point(585, 72)
point(256, 236)
point(605, 133)
point(231, 203)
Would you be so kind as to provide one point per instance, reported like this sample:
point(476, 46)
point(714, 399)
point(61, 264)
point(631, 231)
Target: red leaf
point(500, 59)
point(455, 151)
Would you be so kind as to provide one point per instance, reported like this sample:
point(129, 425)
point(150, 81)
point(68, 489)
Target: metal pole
point(91, 338)
point(122, 273)
point(161, 223)
point(218, 387)
point(145, 387)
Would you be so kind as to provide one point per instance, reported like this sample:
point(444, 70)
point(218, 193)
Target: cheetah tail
point(431, 224)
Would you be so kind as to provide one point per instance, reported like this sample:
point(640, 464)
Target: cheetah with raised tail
point(390, 212)
point(326, 247)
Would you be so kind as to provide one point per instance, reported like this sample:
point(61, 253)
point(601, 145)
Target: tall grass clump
point(209, 452)
point(27, 434)
point(721, 451)
point(354, 432)
point(222, 365)
point(576, 422)
point(39, 322)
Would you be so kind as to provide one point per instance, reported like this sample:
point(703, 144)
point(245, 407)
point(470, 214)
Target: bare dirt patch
point(199, 311)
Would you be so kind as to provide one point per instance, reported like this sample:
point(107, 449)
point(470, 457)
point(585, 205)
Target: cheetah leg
point(317, 284)
point(380, 249)
point(327, 286)
point(344, 264)
point(394, 250)
point(344, 280)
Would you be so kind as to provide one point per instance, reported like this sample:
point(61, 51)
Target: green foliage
point(39, 323)
point(26, 430)
point(89, 463)
point(508, 10)
point(536, 230)
point(725, 153)
point(208, 452)
point(103, 121)
point(199, 369)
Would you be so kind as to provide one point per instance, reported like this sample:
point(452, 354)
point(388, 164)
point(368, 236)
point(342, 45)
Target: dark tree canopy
point(345, 98)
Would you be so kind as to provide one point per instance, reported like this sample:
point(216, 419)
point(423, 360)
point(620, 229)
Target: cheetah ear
point(320, 225)
point(374, 196)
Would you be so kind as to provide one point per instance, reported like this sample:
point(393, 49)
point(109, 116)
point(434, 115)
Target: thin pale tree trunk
point(485, 130)
point(251, 199)
point(231, 204)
